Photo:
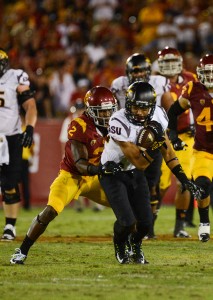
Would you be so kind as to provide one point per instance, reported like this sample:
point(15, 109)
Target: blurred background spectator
point(59, 42)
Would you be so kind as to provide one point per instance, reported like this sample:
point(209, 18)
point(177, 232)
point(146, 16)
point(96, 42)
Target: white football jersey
point(121, 129)
point(121, 84)
point(10, 122)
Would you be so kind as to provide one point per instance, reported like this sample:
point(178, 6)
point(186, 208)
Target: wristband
point(174, 158)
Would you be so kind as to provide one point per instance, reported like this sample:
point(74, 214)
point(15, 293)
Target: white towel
point(4, 150)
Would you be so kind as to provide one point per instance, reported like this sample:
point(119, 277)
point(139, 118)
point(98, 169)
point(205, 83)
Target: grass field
point(74, 259)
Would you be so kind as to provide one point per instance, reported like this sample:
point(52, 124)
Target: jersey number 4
point(204, 118)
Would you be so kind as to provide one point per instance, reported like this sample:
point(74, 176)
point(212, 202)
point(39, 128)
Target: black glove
point(27, 136)
point(159, 134)
point(196, 190)
point(177, 143)
point(157, 129)
point(110, 168)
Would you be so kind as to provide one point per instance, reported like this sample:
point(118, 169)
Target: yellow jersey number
point(204, 118)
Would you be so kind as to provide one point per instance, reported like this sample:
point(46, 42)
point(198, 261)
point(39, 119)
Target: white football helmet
point(170, 62)
point(205, 70)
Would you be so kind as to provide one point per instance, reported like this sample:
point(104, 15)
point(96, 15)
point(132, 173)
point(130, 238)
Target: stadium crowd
point(59, 43)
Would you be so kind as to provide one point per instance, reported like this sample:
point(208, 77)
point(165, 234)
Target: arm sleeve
point(174, 111)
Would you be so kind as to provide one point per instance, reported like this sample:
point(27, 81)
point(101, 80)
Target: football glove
point(110, 168)
point(177, 143)
point(196, 190)
point(158, 132)
point(157, 129)
point(27, 136)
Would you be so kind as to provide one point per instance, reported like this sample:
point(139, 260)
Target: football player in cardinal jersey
point(138, 68)
point(80, 165)
point(170, 64)
point(198, 96)
point(15, 93)
point(127, 190)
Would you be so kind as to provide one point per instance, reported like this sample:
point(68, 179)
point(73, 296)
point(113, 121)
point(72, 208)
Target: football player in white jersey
point(127, 189)
point(15, 93)
point(138, 68)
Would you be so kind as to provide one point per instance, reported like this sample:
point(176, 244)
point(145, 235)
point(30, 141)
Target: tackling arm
point(80, 157)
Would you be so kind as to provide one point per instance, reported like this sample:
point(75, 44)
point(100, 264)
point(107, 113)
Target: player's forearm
point(31, 113)
point(134, 155)
point(142, 161)
point(174, 165)
point(87, 169)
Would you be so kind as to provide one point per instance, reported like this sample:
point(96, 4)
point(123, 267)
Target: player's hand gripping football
point(110, 168)
point(177, 143)
point(27, 136)
point(151, 135)
point(196, 190)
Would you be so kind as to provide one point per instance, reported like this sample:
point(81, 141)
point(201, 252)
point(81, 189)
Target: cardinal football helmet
point(4, 62)
point(138, 68)
point(142, 95)
point(170, 62)
point(97, 100)
point(205, 70)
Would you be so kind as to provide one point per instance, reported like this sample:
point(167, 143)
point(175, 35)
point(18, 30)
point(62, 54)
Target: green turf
point(76, 269)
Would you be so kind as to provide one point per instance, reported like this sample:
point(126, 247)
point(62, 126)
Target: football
point(145, 139)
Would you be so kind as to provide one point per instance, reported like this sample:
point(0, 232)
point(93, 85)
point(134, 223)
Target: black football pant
point(11, 173)
point(128, 195)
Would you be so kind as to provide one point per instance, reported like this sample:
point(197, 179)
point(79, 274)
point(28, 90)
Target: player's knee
point(11, 196)
point(47, 215)
point(205, 183)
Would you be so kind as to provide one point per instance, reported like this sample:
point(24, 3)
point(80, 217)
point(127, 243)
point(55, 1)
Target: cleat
point(18, 258)
point(150, 235)
point(204, 232)
point(9, 233)
point(121, 253)
point(136, 253)
point(182, 234)
point(179, 231)
point(128, 244)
